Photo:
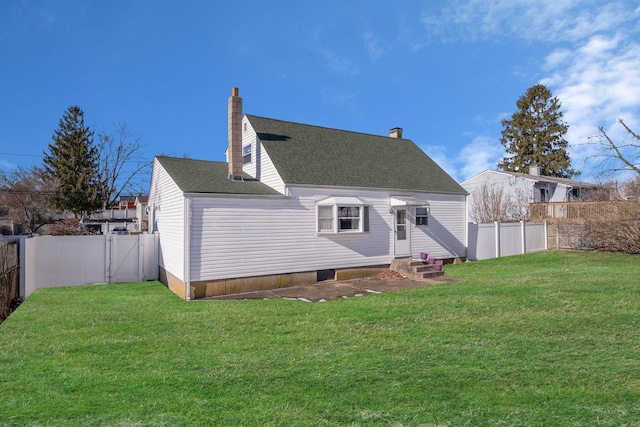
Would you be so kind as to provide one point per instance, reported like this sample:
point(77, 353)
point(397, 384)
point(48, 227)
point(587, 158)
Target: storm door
point(401, 232)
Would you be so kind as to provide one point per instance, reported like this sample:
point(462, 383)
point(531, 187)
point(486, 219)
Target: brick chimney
point(395, 133)
point(235, 136)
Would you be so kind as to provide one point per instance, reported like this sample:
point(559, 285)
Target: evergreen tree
point(535, 136)
point(73, 160)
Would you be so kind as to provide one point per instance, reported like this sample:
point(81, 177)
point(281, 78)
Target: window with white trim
point(336, 217)
point(348, 218)
point(325, 219)
point(422, 216)
point(246, 154)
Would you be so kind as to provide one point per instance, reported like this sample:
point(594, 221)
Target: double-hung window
point(325, 219)
point(349, 218)
point(342, 215)
point(422, 216)
point(246, 154)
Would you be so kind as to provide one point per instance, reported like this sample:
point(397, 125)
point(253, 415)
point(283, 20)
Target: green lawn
point(543, 339)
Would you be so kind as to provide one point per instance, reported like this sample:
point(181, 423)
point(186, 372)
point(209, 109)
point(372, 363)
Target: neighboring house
point(123, 209)
point(628, 191)
point(129, 212)
point(142, 215)
point(531, 187)
point(296, 203)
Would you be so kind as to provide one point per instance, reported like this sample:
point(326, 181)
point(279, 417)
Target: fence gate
point(9, 277)
point(125, 259)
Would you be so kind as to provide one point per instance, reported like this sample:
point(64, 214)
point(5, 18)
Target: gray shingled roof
point(313, 155)
point(202, 176)
point(552, 179)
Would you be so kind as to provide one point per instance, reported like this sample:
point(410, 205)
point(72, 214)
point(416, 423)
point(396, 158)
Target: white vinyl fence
point(50, 261)
point(497, 240)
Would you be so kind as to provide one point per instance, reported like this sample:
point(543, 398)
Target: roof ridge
point(189, 159)
point(323, 127)
point(545, 177)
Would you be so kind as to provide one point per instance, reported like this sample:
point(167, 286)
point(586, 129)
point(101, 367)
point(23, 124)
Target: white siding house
point(310, 200)
point(172, 221)
point(531, 187)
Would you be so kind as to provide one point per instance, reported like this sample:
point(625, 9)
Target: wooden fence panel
point(9, 277)
point(572, 211)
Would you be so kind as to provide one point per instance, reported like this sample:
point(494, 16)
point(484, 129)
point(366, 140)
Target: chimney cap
point(235, 91)
point(395, 132)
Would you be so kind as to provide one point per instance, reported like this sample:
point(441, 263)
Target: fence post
point(141, 249)
point(546, 236)
point(23, 263)
point(523, 237)
point(30, 265)
point(107, 258)
point(497, 231)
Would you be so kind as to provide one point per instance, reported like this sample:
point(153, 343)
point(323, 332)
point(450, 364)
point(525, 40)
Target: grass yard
point(542, 339)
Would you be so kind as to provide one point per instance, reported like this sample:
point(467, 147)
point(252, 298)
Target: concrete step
point(431, 274)
point(417, 269)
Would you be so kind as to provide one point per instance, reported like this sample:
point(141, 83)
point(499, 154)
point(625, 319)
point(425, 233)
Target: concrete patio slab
point(333, 290)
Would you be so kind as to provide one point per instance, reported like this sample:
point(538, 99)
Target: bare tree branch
point(632, 133)
point(122, 165)
point(490, 204)
point(617, 151)
point(28, 195)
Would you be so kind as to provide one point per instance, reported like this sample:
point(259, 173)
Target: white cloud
point(597, 83)
point(532, 20)
point(376, 48)
point(482, 153)
point(439, 155)
point(557, 58)
point(340, 64)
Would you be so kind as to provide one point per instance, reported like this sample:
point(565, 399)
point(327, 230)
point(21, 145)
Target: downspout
point(187, 247)
point(466, 229)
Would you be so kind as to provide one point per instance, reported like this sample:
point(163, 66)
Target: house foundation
point(212, 288)
point(172, 282)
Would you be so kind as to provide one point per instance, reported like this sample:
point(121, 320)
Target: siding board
point(253, 236)
point(167, 201)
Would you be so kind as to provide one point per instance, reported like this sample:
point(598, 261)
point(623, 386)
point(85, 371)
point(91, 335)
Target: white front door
point(401, 234)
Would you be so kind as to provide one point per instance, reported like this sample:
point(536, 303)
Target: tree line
point(79, 175)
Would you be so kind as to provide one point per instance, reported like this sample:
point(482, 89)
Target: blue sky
point(445, 71)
